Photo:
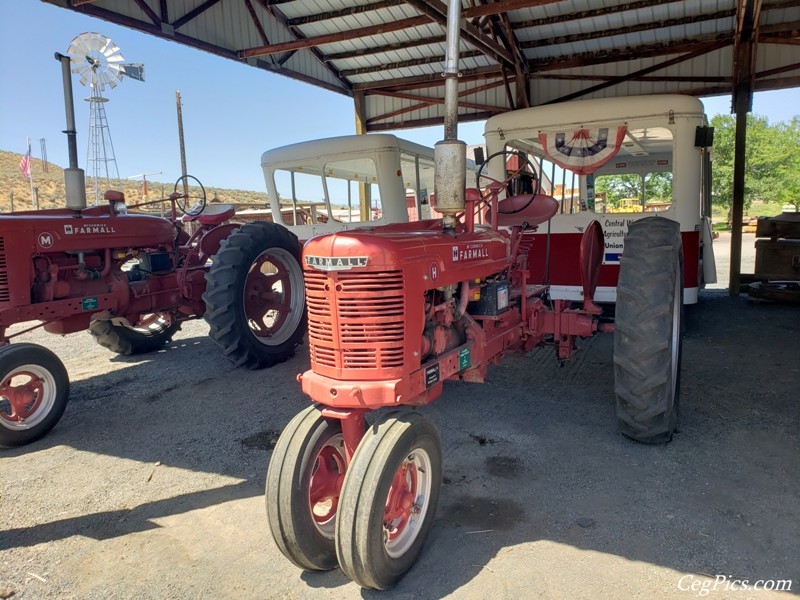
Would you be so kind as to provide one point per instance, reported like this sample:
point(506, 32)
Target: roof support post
point(364, 200)
point(744, 58)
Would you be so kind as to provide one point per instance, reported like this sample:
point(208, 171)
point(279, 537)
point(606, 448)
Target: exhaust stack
point(74, 180)
point(450, 155)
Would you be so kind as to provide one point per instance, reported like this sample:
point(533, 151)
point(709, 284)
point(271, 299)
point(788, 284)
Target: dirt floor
point(152, 484)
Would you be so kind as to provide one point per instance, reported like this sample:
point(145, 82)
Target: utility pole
point(180, 139)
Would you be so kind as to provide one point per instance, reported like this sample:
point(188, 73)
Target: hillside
point(50, 187)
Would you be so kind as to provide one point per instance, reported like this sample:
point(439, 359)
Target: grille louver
point(360, 313)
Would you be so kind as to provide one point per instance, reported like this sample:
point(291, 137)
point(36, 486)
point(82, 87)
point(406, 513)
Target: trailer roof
point(389, 54)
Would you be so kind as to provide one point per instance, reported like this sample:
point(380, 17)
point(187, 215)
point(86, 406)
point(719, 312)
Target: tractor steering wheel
point(194, 200)
point(519, 182)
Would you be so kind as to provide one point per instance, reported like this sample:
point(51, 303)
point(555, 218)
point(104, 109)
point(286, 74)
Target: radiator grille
point(362, 314)
point(5, 293)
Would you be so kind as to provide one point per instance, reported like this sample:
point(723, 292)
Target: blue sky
point(232, 112)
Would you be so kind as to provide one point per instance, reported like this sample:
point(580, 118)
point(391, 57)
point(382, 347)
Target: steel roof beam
point(402, 64)
point(281, 19)
point(657, 67)
point(426, 101)
point(585, 59)
point(329, 38)
point(429, 80)
point(593, 35)
point(195, 12)
point(148, 11)
point(107, 15)
point(394, 125)
point(436, 39)
point(344, 12)
point(254, 17)
point(437, 11)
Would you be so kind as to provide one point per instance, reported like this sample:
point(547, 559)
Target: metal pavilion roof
point(389, 54)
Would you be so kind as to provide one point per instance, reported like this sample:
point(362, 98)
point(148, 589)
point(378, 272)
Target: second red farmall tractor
point(131, 280)
point(395, 311)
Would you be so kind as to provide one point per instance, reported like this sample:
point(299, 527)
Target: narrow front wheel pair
point(371, 517)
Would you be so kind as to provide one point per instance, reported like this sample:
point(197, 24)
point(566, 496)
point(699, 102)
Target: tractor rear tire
point(648, 331)
point(255, 302)
point(126, 340)
point(34, 388)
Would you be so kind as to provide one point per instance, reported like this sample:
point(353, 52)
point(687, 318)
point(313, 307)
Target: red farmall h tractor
point(394, 311)
point(131, 280)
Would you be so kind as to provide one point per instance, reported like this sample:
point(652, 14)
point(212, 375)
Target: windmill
point(100, 64)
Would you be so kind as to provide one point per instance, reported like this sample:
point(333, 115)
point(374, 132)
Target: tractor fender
point(211, 241)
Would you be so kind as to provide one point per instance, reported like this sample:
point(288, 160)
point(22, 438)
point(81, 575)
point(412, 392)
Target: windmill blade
point(111, 50)
point(86, 76)
point(107, 43)
point(79, 68)
point(95, 41)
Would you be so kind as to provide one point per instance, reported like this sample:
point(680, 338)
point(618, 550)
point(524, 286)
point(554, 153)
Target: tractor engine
point(62, 267)
point(387, 309)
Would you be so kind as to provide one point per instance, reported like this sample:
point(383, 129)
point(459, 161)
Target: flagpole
point(34, 204)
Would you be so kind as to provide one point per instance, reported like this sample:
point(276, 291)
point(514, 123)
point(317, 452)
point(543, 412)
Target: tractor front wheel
point(648, 330)
point(255, 302)
point(304, 477)
point(33, 393)
point(388, 501)
point(150, 333)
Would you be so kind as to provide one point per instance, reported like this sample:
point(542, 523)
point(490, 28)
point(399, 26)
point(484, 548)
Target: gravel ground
point(152, 484)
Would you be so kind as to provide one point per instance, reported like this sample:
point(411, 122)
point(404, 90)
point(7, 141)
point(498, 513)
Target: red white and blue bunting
point(584, 150)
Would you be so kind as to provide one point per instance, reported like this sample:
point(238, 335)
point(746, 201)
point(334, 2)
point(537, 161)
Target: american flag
point(25, 164)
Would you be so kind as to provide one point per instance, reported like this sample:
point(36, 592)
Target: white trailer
point(583, 146)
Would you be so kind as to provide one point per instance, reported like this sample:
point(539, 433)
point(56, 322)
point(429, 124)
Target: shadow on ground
point(531, 456)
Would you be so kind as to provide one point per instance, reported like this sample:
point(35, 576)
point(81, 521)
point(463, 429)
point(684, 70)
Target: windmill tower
point(99, 63)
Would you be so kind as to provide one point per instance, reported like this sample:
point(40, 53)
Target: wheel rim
point(326, 484)
point(27, 395)
point(152, 323)
point(407, 503)
point(273, 296)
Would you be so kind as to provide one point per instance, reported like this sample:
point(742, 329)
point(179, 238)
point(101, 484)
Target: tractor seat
point(540, 210)
point(213, 214)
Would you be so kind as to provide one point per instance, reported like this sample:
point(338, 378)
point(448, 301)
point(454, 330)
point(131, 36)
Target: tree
point(617, 187)
point(771, 160)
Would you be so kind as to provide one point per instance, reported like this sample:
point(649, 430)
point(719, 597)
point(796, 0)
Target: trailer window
point(632, 192)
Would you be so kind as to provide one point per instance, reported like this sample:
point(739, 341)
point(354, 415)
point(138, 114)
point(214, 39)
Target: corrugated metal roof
point(392, 51)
